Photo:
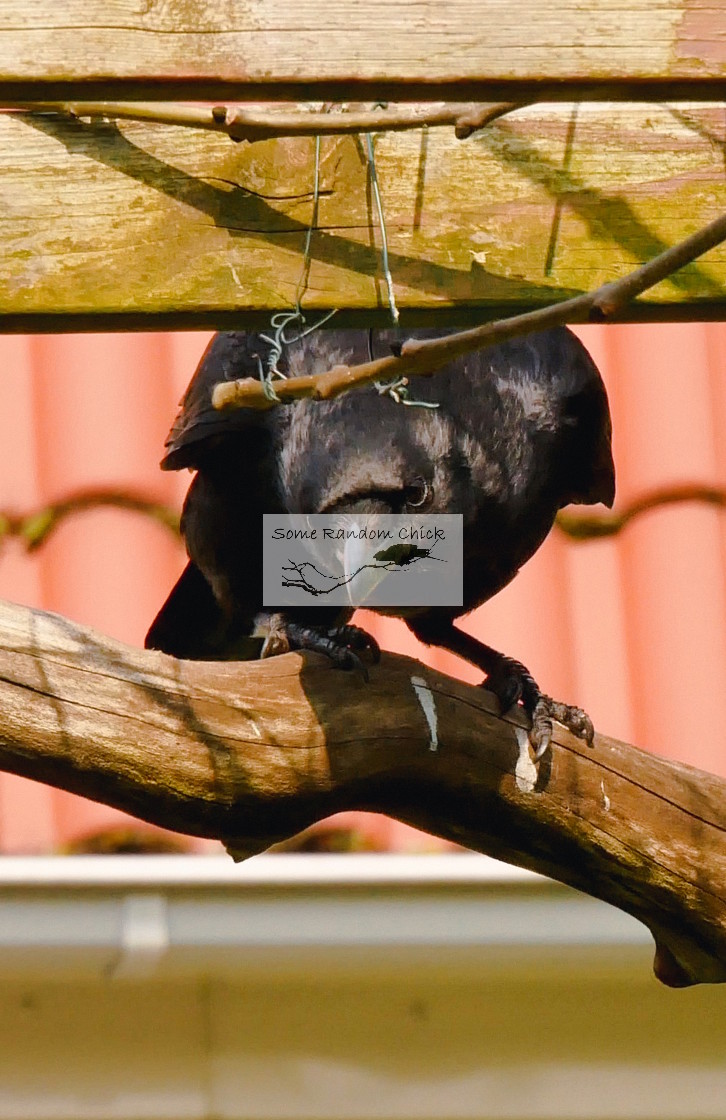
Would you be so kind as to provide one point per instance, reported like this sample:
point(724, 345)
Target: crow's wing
point(186, 623)
point(199, 427)
point(235, 484)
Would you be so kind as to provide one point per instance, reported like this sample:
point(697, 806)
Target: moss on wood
point(138, 224)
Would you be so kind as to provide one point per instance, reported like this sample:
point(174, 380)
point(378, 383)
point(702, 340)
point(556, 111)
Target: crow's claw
point(540, 733)
point(358, 640)
point(574, 719)
point(321, 641)
point(511, 682)
point(545, 711)
point(350, 661)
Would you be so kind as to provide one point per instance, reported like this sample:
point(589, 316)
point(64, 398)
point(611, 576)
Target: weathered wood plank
point(139, 225)
point(339, 48)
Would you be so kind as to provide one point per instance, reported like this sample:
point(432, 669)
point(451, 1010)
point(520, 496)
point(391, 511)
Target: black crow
point(521, 429)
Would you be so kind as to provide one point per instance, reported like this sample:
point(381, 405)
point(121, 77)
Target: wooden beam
point(142, 225)
point(252, 752)
point(348, 49)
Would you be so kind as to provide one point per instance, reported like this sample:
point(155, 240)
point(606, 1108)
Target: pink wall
point(632, 627)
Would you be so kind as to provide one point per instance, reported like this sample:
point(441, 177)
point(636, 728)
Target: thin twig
point(267, 124)
point(423, 357)
point(36, 527)
point(589, 526)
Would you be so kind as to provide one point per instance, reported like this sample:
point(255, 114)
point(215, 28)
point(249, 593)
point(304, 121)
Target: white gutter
point(269, 870)
point(298, 916)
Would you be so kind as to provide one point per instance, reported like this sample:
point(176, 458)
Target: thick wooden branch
point(143, 225)
point(353, 49)
point(253, 752)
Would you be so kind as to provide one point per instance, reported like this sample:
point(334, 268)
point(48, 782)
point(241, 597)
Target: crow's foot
point(327, 642)
point(272, 629)
point(545, 711)
point(357, 639)
point(511, 682)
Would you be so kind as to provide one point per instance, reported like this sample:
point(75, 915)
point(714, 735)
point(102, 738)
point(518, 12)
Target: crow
point(520, 430)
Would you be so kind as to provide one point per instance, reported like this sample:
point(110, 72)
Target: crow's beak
point(361, 573)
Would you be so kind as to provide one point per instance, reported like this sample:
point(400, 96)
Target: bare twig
point(241, 123)
point(423, 357)
point(36, 527)
point(586, 526)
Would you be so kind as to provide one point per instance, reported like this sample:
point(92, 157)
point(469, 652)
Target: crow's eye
point(419, 494)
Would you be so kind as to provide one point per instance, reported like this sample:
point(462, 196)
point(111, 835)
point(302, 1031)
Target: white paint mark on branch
point(525, 772)
point(425, 697)
point(605, 798)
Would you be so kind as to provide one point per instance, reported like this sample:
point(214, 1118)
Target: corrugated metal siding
point(631, 627)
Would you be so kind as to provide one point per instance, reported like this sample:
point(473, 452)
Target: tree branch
point(36, 527)
point(423, 357)
point(241, 123)
point(253, 752)
point(586, 526)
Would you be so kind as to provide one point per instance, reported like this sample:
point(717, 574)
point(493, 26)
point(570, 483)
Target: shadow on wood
point(538, 207)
